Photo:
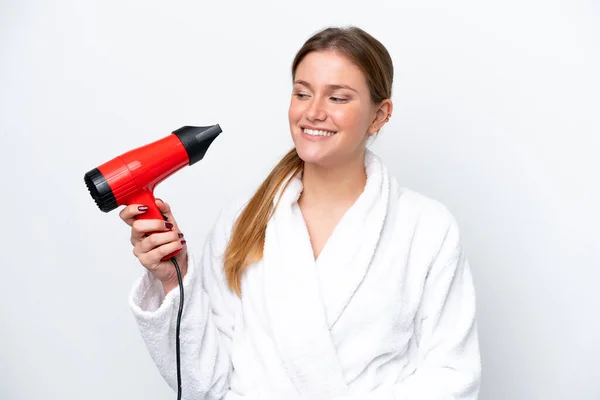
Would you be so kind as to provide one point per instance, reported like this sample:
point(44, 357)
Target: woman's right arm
point(209, 309)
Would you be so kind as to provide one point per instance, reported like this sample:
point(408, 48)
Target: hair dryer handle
point(146, 198)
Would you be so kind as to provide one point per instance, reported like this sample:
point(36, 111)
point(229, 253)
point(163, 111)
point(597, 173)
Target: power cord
point(178, 326)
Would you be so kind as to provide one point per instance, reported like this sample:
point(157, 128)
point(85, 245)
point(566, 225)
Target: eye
point(301, 95)
point(338, 100)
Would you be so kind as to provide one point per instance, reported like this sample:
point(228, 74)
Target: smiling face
point(331, 112)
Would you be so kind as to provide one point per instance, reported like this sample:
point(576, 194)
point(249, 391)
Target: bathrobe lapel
point(294, 302)
point(304, 298)
point(346, 258)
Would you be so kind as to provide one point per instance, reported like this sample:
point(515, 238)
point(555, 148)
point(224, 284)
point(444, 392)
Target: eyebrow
point(330, 86)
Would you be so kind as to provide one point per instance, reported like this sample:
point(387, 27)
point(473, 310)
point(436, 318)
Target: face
point(331, 112)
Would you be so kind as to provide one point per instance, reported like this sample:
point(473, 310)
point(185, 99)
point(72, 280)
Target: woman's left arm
point(449, 364)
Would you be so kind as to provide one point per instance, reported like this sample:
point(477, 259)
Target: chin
point(314, 155)
point(309, 157)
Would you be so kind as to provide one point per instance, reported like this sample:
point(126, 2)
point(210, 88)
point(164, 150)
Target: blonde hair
point(245, 246)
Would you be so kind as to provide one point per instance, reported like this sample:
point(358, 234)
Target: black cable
point(178, 326)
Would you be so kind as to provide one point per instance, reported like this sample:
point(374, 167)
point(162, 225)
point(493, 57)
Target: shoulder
point(431, 220)
point(414, 209)
point(424, 205)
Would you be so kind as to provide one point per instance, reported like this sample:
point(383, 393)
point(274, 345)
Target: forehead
point(330, 67)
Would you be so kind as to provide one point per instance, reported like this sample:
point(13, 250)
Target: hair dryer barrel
point(137, 172)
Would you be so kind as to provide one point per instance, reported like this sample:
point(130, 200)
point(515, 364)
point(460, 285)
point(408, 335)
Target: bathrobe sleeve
point(448, 365)
point(206, 324)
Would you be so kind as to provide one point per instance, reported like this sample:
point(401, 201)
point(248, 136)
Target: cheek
point(294, 112)
point(351, 119)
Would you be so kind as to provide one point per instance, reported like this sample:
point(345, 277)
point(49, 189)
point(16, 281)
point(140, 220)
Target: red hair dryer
point(131, 177)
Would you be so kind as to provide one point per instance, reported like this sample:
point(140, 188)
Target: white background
point(497, 109)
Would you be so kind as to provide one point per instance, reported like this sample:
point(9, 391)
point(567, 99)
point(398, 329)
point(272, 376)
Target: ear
point(383, 112)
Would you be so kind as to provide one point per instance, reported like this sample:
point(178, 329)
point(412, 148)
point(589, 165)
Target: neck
point(332, 187)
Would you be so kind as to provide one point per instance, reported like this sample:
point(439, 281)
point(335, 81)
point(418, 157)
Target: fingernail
point(183, 242)
point(159, 199)
point(143, 208)
point(168, 225)
point(180, 235)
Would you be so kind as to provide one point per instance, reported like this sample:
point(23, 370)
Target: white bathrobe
point(387, 311)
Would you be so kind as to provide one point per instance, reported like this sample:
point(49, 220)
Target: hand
point(150, 249)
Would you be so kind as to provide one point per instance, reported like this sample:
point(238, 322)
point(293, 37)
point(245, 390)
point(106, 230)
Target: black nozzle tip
point(197, 140)
point(100, 190)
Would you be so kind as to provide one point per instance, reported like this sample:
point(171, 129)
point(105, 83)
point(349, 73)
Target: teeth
point(318, 133)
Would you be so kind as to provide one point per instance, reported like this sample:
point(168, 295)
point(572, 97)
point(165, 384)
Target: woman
point(331, 281)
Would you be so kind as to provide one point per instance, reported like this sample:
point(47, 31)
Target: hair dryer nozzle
point(197, 140)
point(100, 190)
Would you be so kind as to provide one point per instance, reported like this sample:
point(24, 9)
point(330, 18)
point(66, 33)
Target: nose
point(315, 110)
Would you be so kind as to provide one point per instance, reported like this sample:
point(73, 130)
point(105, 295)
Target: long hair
point(246, 244)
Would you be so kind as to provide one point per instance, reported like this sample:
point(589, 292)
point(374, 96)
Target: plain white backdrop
point(497, 115)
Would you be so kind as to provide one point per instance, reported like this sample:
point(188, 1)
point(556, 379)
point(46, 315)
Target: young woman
point(331, 281)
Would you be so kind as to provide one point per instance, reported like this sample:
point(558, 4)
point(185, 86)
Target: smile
point(314, 132)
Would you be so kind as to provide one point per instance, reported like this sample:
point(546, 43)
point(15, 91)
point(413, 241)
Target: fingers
point(144, 230)
point(129, 213)
point(143, 227)
point(158, 239)
point(165, 210)
point(152, 258)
